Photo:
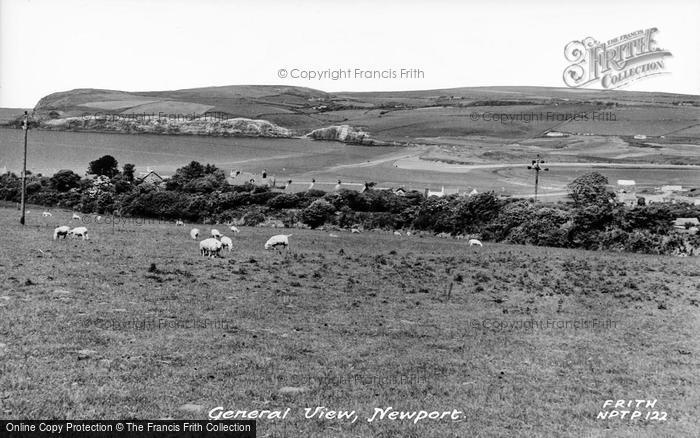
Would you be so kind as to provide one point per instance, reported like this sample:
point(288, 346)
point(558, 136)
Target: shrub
point(283, 200)
point(317, 213)
point(253, 218)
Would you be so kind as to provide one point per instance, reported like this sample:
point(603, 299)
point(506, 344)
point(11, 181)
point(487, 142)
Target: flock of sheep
point(65, 230)
point(210, 246)
point(213, 245)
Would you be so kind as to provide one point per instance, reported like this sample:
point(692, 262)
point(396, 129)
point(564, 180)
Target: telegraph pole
point(537, 167)
point(25, 126)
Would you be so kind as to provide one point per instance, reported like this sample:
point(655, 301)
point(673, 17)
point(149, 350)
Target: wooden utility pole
point(537, 167)
point(25, 126)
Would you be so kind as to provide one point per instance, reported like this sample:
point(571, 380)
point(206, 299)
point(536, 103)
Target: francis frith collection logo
point(616, 62)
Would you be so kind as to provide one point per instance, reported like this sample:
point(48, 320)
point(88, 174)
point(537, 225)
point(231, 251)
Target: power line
point(25, 126)
point(537, 167)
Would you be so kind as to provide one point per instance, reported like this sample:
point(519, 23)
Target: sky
point(49, 45)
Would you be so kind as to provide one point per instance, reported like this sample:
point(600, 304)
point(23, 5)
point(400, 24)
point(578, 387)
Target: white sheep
point(234, 229)
point(46, 214)
point(473, 242)
point(179, 223)
point(209, 247)
point(278, 240)
point(194, 233)
point(75, 217)
point(61, 231)
point(397, 233)
point(332, 235)
point(226, 242)
point(355, 231)
point(79, 231)
point(215, 233)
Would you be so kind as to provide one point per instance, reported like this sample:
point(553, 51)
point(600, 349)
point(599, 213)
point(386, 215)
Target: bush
point(253, 218)
point(64, 180)
point(283, 200)
point(317, 213)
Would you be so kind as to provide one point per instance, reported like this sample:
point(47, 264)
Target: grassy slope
point(359, 305)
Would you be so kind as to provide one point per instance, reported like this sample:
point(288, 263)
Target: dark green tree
point(106, 165)
point(128, 172)
point(591, 188)
point(64, 180)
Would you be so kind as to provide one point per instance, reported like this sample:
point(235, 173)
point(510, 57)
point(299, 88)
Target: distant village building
point(152, 178)
point(671, 189)
point(555, 134)
point(625, 183)
point(440, 194)
point(626, 192)
point(688, 224)
point(238, 178)
point(629, 199)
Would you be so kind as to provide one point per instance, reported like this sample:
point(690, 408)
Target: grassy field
point(98, 329)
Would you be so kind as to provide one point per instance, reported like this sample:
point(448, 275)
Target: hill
point(401, 116)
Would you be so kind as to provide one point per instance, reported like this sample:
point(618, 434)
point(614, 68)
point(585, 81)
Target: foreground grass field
point(101, 329)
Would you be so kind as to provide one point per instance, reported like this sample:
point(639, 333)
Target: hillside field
point(99, 329)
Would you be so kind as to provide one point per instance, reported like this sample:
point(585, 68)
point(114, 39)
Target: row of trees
point(200, 193)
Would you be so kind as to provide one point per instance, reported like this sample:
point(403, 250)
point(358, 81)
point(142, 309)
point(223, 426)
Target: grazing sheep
point(75, 217)
point(355, 231)
point(209, 247)
point(61, 231)
point(338, 186)
point(46, 214)
point(79, 231)
point(179, 223)
point(226, 242)
point(215, 233)
point(397, 233)
point(234, 229)
point(278, 240)
point(332, 235)
point(473, 242)
point(98, 219)
point(194, 233)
